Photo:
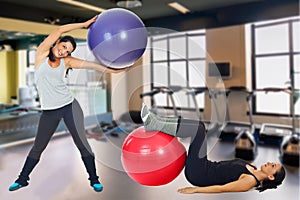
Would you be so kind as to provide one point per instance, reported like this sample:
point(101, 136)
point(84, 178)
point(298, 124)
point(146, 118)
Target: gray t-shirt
point(52, 89)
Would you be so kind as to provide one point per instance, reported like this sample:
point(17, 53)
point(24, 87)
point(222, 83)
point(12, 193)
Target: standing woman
point(208, 176)
point(53, 58)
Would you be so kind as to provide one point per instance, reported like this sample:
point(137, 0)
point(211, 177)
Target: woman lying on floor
point(209, 176)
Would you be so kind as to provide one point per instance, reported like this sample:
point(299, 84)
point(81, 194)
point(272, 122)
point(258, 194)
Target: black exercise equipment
point(129, 121)
point(231, 129)
point(99, 131)
point(289, 150)
point(245, 145)
point(290, 146)
point(273, 133)
point(132, 116)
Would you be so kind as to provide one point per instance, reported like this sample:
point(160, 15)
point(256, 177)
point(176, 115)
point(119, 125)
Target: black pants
point(197, 164)
point(73, 117)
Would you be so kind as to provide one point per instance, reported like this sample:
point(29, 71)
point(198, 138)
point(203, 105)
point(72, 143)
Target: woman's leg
point(170, 125)
point(23, 178)
point(74, 120)
point(47, 125)
point(196, 131)
point(153, 122)
point(196, 162)
point(178, 127)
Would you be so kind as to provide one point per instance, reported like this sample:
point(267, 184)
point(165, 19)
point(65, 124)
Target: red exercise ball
point(152, 158)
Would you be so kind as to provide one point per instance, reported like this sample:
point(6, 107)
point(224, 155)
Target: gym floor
point(61, 175)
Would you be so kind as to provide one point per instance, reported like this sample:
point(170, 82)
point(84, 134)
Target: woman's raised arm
point(45, 46)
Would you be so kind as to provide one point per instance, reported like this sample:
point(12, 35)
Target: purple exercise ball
point(118, 38)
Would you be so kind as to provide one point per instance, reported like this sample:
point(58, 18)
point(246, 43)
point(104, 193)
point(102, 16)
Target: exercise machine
point(193, 92)
point(151, 95)
point(231, 129)
point(245, 142)
point(289, 150)
point(274, 133)
point(290, 146)
point(169, 91)
point(245, 145)
point(209, 125)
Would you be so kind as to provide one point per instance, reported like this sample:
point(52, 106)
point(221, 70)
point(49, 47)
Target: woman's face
point(271, 168)
point(62, 49)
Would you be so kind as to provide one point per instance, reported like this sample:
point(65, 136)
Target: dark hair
point(272, 184)
point(66, 38)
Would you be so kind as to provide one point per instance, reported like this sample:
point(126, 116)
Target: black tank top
point(227, 171)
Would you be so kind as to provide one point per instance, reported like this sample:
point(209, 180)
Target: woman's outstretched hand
point(89, 22)
point(187, 190)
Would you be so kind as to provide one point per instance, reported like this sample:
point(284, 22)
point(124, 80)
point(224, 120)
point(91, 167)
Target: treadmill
point(231, 129)
point(290, 146)
point(193, 92)
point(209, 125)
point(165, 90)
point(274, 133)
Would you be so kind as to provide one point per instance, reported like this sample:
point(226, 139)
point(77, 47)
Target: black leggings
point(73, 117)
point(196, 163)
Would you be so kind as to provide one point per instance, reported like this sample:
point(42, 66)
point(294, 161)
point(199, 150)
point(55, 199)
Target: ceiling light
point(83, 5)
point(51, 20)
point(129, 3)
point(179, 7)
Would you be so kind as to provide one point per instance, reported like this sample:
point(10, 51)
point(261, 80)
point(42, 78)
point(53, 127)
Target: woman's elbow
point(62, 29)
point(59, 30)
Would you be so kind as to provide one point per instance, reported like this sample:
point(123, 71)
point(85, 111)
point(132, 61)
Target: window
point(178, 59)
point(88, 85)
point(276, 64)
